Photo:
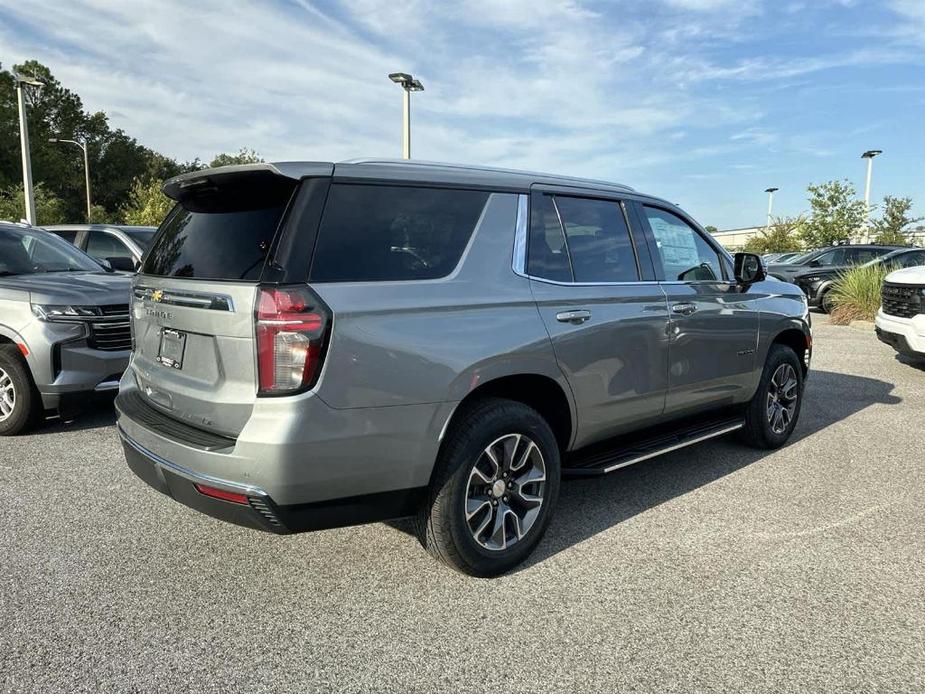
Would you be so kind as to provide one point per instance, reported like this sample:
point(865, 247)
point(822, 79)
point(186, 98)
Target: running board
point(601, 459)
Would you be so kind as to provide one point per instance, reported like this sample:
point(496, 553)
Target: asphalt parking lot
point(717, 568)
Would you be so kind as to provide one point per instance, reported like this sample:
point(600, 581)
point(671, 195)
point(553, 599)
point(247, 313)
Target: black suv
point(833, 256)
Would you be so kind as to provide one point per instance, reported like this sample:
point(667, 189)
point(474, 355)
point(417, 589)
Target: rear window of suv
point(221, 234)
point(389, 233)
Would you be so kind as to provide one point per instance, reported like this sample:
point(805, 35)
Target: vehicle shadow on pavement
point(96, 415)
point(590, 506)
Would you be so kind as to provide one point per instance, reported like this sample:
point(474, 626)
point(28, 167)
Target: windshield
point(27, 251)
point(141, 236)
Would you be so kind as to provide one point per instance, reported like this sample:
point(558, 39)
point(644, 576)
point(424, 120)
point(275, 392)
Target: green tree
point(49, 209)
point(836, 214)
point(147, 205)
point(710, 229)
point(116, 159)
point(244, 156)
point(889, 229)
point(781, 236)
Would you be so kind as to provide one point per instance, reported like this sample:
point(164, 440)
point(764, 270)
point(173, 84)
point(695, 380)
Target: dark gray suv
point(319, 345)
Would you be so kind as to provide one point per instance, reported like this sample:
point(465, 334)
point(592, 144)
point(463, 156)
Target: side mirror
point(748, 268)
point(107, 266)
point(121, 263)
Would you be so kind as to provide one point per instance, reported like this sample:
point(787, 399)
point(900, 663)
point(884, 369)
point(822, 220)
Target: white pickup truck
point(901, 319)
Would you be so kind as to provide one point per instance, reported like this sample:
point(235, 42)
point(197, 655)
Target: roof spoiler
point(186, 185)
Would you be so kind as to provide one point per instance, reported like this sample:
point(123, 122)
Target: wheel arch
point(799, 340)
point(541, 392)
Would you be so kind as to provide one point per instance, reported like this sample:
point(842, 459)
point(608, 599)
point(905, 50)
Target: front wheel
point(774, 410)
point(18, 400)
point(827, 303)
point(494, 488)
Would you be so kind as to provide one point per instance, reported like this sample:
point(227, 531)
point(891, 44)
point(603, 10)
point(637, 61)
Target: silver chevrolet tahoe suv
point(319, 345)
point(64, 328)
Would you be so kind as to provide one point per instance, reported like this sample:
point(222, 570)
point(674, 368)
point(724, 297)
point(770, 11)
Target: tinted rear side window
point(223, 234)
point(380, 233)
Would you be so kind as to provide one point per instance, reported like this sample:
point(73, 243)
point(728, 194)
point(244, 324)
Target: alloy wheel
point(505, 492)
point(7, 395)
point(783, 392)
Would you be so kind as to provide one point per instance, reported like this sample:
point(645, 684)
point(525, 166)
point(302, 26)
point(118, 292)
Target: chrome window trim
point(520, 237)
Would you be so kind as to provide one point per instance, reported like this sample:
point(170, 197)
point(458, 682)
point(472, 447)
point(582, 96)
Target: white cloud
point(559, 85)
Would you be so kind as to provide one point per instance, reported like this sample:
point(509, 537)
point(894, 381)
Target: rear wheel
point(773, 412)
point(493, 491)
point(18, 400)
point(826, 303)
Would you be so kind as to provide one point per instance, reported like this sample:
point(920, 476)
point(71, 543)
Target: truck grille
point(112, 332)
point(901, 300)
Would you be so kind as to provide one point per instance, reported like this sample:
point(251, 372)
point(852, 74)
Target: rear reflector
point(221, 494)
point(292, 326)
point(23, 349)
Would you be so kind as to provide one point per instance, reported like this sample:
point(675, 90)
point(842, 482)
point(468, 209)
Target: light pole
point(83, 147)
point(21, 82)
point(869, 156)
point(770, 192)
point(408, 84)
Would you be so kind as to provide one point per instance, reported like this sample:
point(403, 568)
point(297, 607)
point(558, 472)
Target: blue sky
point(705, 102)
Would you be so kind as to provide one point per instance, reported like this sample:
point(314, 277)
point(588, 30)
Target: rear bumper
point(905, 335)
point(327, 468)
point(261, 512)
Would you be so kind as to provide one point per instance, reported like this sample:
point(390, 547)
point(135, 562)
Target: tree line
point(125, 176)
point(835, 215)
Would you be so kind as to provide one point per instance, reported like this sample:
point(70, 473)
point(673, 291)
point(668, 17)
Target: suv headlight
point(64, 312)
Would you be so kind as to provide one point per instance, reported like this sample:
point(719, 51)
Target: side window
point(598, 240)
point(684, 254)
point(102, 245)
point(69, 236)
point(547, 253)
point(836, 256)
point(858, 256)
point(381, 233)
point(912, 259)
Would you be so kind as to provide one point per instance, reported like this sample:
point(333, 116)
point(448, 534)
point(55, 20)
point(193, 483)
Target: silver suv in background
point(120, 246)
point(64, 329)
point(376, 339)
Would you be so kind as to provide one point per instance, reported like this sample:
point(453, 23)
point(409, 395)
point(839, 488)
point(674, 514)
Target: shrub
point(856, 294)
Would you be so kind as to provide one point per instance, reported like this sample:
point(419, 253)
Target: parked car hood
point(827, 271)
point(82, 288)
point(908, 275)
point(787, 271)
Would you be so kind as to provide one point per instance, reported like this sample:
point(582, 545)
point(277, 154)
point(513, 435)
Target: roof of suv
point(397, 169)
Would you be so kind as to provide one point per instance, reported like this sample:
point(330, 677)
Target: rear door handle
point(574, 317)
point(684, 309)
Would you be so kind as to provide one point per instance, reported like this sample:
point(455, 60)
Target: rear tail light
point(292, 329)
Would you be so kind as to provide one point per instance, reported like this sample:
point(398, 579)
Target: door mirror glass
point(748, 268)
point(121, 263)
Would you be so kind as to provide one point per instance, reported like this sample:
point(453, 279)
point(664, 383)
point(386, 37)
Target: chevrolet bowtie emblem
point(157, 295)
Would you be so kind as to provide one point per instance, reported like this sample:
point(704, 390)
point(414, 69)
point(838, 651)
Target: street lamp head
point(402, 78)
point(415, 86)
point(771, 190)
point(31, 81)
point(53, 139)
point(871, 153)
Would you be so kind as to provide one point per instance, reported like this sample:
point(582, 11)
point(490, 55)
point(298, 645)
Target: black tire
point(441, 523)
point(19, 392)
point(760, 425)
point(825, 301)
